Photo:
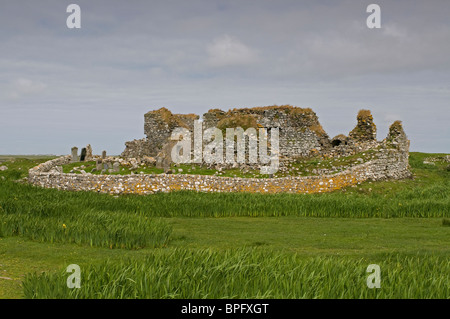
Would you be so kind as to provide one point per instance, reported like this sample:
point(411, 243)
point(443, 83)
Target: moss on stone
point(365, 129)
point(167, 117)
point(396, 128)
point(244, 121)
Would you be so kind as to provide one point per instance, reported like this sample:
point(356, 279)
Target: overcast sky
point(63, 87)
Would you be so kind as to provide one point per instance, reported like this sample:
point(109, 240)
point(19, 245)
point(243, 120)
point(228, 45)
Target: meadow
point(228, 245)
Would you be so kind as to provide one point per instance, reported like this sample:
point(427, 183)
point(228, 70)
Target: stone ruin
point(300, 137)
point(300, 133)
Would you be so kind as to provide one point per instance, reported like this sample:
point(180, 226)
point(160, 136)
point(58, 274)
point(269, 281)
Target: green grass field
point(233, 245)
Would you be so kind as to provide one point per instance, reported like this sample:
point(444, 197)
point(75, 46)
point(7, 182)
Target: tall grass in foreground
point(430, 201)
point(55, 221)
point(244, 273)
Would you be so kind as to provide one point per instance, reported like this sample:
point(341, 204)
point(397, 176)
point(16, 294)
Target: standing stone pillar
point(98, 164)
point(83, 154)
point(89, 156)
point(103, 155)
point(74, 158)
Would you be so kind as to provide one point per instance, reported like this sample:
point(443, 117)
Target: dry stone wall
point(50, 165)
point(389, 166)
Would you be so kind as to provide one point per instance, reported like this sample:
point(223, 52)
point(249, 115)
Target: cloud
point(229, 51)
point(24, 87)
point(190, 56)
point(394, 31)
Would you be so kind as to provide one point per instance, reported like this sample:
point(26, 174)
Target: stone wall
point(300, 130)
point(300, 133)
point(158, 127)
point(365, 129)
point(390, 164)
point(50, 165)
point(137, 149)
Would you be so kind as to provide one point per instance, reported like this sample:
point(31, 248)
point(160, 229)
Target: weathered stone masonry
point(391, 161)
point(300, 130)
point(389, 166)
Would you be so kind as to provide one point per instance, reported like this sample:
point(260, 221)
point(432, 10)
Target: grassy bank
point(216, 245)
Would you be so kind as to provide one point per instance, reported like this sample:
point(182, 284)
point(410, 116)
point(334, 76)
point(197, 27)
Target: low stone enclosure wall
point(390, 164)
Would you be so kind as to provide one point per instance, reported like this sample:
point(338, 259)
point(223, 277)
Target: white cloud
point(229, 51)
point(24, 87)
point(393, 31)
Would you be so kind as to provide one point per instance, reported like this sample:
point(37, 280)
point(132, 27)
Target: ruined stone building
point(300, 136)
point(300, 132)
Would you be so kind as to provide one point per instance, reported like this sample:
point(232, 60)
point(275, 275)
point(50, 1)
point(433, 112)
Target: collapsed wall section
point(137, 149)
